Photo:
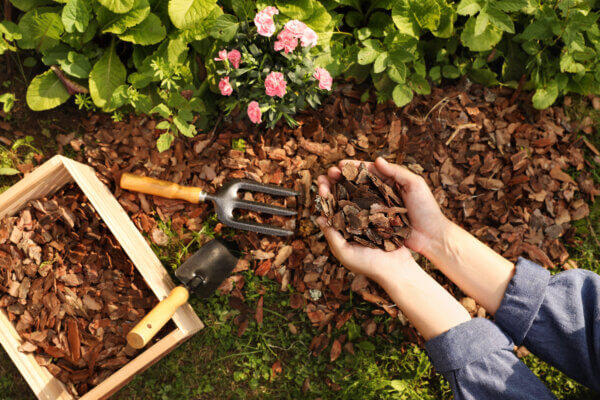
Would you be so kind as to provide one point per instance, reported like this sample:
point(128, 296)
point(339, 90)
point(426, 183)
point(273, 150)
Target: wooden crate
point(44, 181)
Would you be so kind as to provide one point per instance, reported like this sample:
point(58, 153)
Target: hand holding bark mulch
point(366, 209)
point(69, 288)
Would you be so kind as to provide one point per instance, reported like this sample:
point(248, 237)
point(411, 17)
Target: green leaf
point(397, 72)
point(76, 15)
point(445, 28)
point(501, 20)
point(426, 13)
point(225, 27)
point(185, 128)
point(186, 14)
point(26, 5)
point(399, 386)
point(367, 55)
point(419, 84)
point(118, 23)
point(380, 63)
point(511, 5)
point(46, 91)
point(117, 6)
point(544, 97)
point(537, 30)
point(162, 110)
point(296, 9)
point(76, 65)
point(402, 95)
point(379, 23)
point(162, 125)
point(107, 75)
point(320, 21)
point(568, 64)
point(41, 29)
point(149, 31)
point(402, 19)
point(8, 101)
point(164, 142)
point(450, 72)
point(468, 7)
point(481, 23)
point(366, 346)
point(483, 42)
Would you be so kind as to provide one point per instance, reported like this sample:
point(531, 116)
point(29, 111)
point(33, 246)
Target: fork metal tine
point(263, 208)
point(246, 184)
point(256, 227)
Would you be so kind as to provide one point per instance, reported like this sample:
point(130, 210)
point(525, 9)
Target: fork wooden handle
point(157, 187)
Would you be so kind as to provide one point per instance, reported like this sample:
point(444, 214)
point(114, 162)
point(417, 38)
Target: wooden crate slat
point(132, 241)
point(45, 180)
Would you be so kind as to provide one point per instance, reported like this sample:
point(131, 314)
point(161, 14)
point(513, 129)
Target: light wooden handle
point(159, 187)
point(149, 326)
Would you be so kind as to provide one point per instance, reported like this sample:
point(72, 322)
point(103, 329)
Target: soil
point(497, 167)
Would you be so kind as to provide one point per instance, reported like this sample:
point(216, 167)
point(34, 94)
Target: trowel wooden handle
point(159, 187)
point(145, 330)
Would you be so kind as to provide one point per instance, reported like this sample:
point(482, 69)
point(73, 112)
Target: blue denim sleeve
point(477, 358)
point(557, 318)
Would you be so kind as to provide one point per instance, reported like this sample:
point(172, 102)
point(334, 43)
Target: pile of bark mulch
point(70, 289)
point(497, 167)
point(366, 210)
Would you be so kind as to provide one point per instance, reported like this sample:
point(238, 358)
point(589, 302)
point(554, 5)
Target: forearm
point(479, 271)
point(426, 304)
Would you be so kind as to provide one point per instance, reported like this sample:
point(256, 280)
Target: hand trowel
point(202, 274)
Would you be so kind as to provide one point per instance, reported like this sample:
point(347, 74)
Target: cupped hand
point(376, 264)
point(427, 220)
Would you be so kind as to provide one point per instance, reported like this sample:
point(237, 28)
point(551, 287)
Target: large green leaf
point(483, 42)
point(296, 9)
point(149, 31)
point(225, 27)
point(107, 75)
point(26, 5)
point(76, 65)
point(186, 14)
point(46, 91)
point(403, 20)
point(545, 96)
point(319, 20)
point(41, 29)
point(119, 23)
point(426, 13)
point(76, 15)
point(402, 95)
point(501, 20)
point(118, 6)
point(468, 7)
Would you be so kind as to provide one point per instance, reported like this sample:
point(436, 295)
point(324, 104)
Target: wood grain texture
point(157, 187)
point(45, 180)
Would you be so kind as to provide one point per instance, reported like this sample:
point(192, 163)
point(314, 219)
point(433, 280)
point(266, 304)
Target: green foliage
point(8, 101)
point(555, 45)
point(21, 151)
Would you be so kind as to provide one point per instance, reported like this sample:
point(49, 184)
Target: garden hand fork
point(225, 200)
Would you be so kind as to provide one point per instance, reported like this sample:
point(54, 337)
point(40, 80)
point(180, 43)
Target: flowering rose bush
point(266, 71)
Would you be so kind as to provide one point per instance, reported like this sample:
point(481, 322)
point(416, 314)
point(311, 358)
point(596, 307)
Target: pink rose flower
point(296, 27)
point(234, 58)
point(225, 86)
point(222, 55)
point(309, 38)
point(270, 11)
point(265, 25)
point(324, 78)
point(254, 112)
point(286, 41)
point(275, 84)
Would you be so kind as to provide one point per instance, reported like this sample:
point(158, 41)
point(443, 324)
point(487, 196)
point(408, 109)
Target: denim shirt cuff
point(466, 343)
point(522, 299)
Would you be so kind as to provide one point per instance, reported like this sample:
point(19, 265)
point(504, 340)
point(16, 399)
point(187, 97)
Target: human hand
point(426, 219)
point(376, 264)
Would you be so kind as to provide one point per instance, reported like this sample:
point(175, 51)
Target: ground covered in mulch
point(499, 168)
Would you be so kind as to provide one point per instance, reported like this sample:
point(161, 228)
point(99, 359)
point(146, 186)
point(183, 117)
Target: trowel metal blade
point(204, 271)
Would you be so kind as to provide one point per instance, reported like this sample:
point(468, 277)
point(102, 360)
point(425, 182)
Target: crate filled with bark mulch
point(75, 277)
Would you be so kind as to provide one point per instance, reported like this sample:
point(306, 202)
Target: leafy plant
point(9, 33)
point(21, 151)
point(261, 75)
point(8, 102)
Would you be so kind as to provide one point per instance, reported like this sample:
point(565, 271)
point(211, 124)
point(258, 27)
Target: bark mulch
point(497, 167)
point(70, 289)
